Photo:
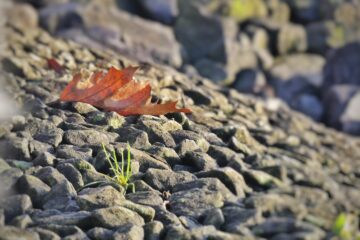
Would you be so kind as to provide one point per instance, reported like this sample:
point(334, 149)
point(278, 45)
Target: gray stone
point(2, 217)
point(186, 146)
point(157, 133)
point(149, 198)
point(305, 12)
point(250, 81)
point(214, 217)
point(325, 35)
point(22, 221)
point(80, 219)
point(146, 212)
point(285, 38)
point(153, 230)
point(70, 151)
point(52, 137)
point(9, 233)
point(335, 101)
point(100, 233)
point(296, 74)
point(129, 231)
point(146, 161)
point(66, 231)
point(135, 137)
point(177, 231)
point(3, 165)
point(161, 10)
point(72, 174)
point(182, 135)
point(278, 11)
point(341, 66)
point(57, 17)
point(206, 232)
point(169, 154)
point(199, 96)
point(350, 119)
point(236, 218)
point(165, 180)
point(166, 217)
point(257, 177)
point(43, 3)
point(44, 159)
point(45, 234)
point(84, 108)
point(201, 161)
point(161, 48)
point(275, 225)
point(15, 148)
point(60, 197)
point(230, 178)
point(45, 131)
point(115, 217)
point(50, 176)
point(86, 137)
point(94, 198)
point(29, 16)
point(309, 105)
point(212, 70)
point(276, 204)
point(224, 155)
point(195, 197)
point(15, 205)
point(9, 178)
point(37, 147)
point(34, 187)
point(218, 43)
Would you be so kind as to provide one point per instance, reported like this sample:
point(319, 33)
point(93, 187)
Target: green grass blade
point(128, 167)
point(122, 163)
point(115, 162)
point(108, 158)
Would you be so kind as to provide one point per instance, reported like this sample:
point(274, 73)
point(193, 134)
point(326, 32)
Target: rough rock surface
point(236, 168)
point(242, 44)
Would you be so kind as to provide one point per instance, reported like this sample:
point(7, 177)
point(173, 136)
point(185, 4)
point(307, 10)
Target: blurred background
point(305, 52)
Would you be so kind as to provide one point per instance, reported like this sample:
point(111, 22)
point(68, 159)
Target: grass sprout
point(121, 175)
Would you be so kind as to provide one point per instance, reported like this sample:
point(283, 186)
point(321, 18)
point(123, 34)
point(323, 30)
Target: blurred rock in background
point(305, 52)
point(7, 108)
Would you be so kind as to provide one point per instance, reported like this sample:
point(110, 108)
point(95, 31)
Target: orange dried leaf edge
point(116, 91)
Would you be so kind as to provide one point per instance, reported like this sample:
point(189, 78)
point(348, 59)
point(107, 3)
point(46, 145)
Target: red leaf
point(116, 91)
point(54, 65)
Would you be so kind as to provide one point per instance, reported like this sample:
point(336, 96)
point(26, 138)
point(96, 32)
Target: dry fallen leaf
point(116, 91)
point(54, 65)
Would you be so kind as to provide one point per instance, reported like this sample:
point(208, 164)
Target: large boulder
point(297, 73)
point(58, 17)
point(147, 41)
point(305, 11)
point(335, 101)
point(342, 66)
point(284, 38)
point(325, 35)
point(217, 43)
point(107, 25)
point(22, 16)
point(164, 11)
point(350, 119)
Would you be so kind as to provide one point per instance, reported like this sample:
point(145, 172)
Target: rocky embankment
point(303, 52)
point(236, 168)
